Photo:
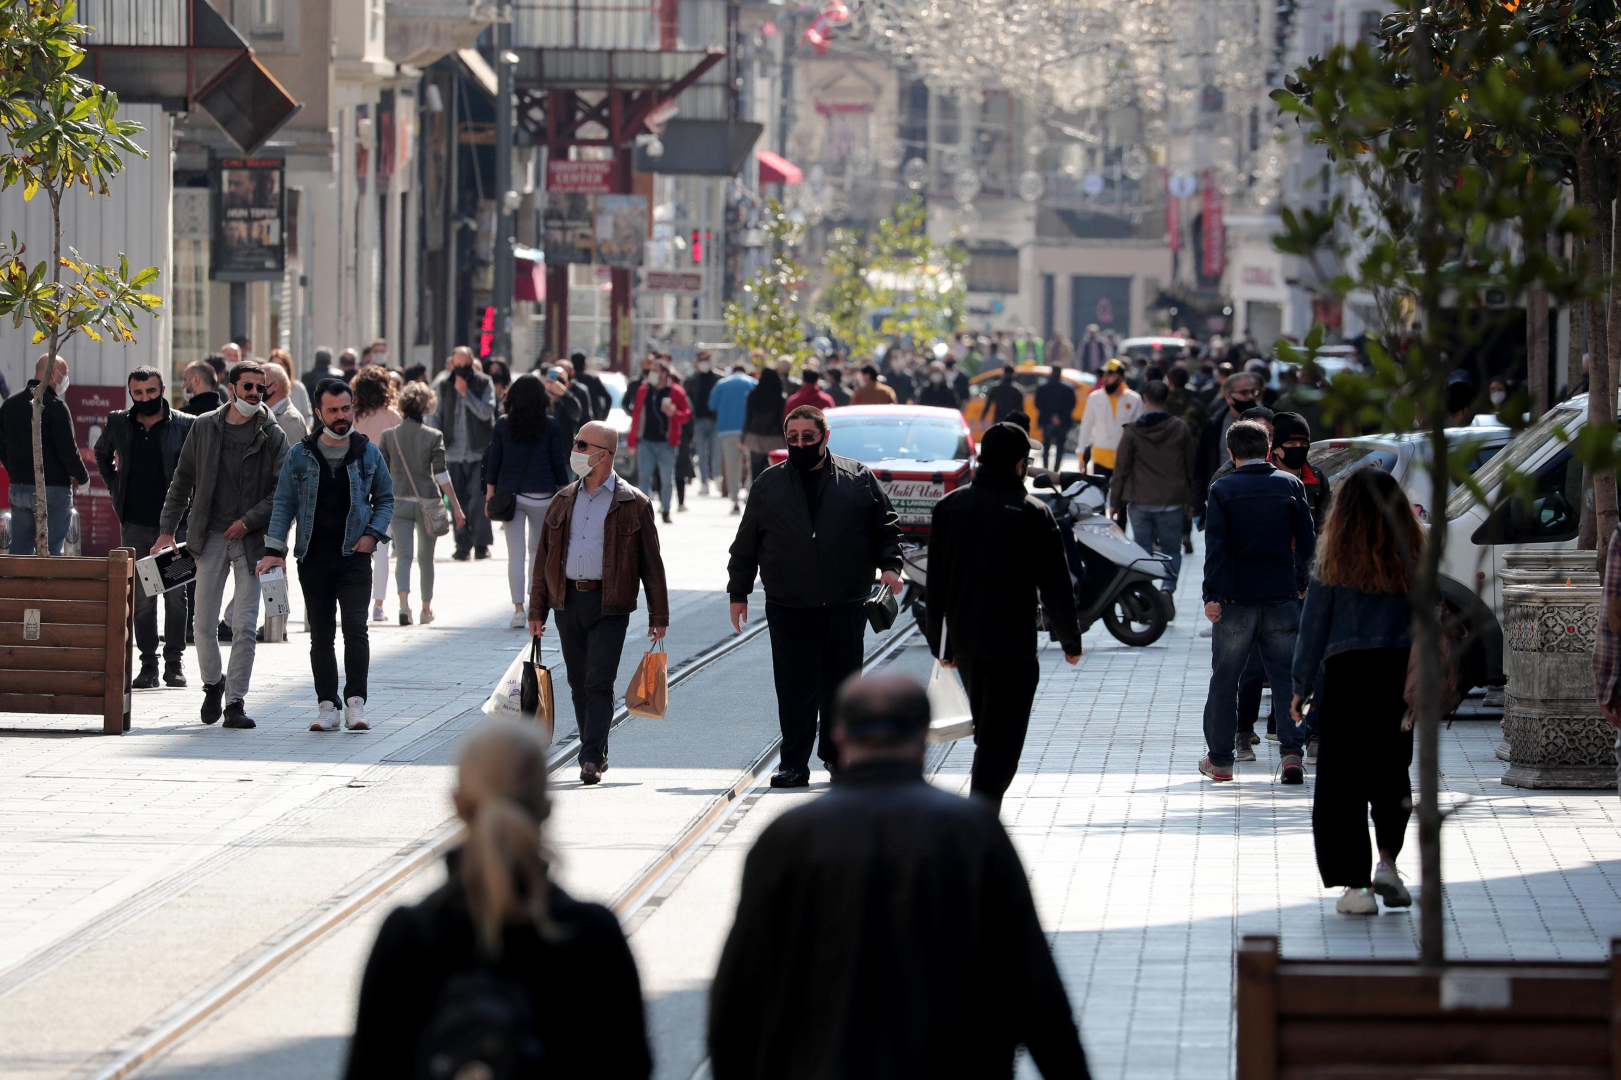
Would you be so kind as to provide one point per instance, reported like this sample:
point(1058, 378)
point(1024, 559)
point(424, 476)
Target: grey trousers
point(523, 537)
point(219, 560)
point(412, 540)
point(732, 459)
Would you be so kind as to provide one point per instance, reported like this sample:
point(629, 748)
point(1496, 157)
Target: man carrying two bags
point(598, 543)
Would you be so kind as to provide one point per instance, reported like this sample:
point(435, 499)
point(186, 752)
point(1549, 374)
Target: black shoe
point(148, 678)
point(481, 553)
point(789, 778)
point(236, 716)
point(590, 773)
point(667, 520)
point(212, 695)
point(224, 631)
point(832, 768)
point(1187, 545)
point(461, 556)
point(405, 617)
point(173, 673)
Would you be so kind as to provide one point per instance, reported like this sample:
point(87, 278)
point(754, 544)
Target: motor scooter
point(1113, 578)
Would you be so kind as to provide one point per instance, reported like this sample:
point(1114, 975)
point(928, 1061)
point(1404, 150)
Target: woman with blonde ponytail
point(499, 957)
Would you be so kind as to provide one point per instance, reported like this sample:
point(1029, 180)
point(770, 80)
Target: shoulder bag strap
point(410, 478)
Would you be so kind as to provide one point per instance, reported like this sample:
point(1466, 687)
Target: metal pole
point(505, 225)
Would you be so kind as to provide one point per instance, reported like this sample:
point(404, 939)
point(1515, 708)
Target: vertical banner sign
point(1215, 229)
point(98, 522)
point(1173, 217)
point(387, 151)
point(249, 238)
point(621, 230)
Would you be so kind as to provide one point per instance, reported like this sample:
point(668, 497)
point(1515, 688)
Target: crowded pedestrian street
point(165, 889)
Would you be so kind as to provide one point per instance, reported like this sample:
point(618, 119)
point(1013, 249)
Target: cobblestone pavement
point(132, 870)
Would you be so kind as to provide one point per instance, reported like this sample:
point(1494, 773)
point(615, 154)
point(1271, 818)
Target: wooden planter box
point(67, 636)
point(1344, 1019)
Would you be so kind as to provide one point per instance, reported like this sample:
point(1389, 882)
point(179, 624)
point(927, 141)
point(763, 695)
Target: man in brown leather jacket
point(599, 541)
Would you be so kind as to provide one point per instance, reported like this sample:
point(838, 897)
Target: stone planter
point(1556, 736)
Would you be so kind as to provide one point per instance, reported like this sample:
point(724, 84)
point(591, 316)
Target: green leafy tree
point(1425, 230)
point(916, 287)
point(61, 131)
point(769, 318)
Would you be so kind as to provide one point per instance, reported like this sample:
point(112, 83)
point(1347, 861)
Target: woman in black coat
point(762, 420)
point(499, 931)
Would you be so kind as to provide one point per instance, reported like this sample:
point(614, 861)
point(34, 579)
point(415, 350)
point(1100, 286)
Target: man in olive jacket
point(226, 478)
point(835, 965)
point(816, 529)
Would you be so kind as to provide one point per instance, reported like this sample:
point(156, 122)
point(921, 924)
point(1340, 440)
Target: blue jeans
point(1164, 526)
point(58, 512)
point(706, 443)
point(1242, 626)
point(656, 454)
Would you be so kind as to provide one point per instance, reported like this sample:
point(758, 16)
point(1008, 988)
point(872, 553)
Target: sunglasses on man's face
point(798, 439)
point(250, 388)
point(585, 447)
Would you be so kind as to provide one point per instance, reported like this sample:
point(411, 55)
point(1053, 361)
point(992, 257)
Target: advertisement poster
point(249, 243)
point(621, 230)
point(90, 406)
point(568, 229)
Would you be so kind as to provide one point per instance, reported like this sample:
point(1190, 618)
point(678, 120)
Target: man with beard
point(1109, 409)
point(335, 485)
point(816, 529)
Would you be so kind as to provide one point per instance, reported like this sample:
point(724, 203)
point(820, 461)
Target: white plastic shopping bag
point(949, 716)
point(506, 700)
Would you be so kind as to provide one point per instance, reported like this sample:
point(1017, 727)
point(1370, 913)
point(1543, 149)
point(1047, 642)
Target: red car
point(918, 453)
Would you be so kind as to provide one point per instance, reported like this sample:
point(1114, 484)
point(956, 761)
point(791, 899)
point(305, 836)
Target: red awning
point(777, 170)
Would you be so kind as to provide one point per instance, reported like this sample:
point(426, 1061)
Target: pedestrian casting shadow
point(557, 785)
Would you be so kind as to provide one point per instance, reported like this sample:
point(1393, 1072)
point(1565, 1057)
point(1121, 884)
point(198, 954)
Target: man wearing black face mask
point(816, 529)
point(1291, 442)
point(136, 456)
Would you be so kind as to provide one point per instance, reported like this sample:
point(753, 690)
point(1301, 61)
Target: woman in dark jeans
point(528, 459)
point(762, 420)
point(1355, 625)
point(500, 930)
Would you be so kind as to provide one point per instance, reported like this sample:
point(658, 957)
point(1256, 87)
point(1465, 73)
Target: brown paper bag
point(535, 695)
point(649, 690)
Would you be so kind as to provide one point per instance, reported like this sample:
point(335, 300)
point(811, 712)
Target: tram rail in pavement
point(170, 1028)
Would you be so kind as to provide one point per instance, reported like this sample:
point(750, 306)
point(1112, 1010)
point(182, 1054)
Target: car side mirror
point(1042, 481)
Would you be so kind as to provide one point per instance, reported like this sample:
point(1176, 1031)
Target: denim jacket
point(371, 495)
point(1338, 619)
point(1258, 537)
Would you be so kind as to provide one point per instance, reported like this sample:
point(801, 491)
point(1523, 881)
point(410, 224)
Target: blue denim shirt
point(1338, 619)
point(371, 495)
point(1259, 537)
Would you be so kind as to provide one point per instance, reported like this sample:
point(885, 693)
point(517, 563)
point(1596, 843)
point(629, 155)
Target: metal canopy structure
point(599, 98)
point(181, 54)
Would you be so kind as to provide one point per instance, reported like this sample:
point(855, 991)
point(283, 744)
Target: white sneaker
point(1389, 887)
point(1357, 902)
point(1207, 631)
point(377, 613)
point(518, 621)
point(328, 719)
point(354, 715)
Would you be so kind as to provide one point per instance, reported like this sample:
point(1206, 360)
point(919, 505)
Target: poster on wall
point(621, 229)
point(569, 230)
point(98, 523)
point(1102, 300)
point(249, 237)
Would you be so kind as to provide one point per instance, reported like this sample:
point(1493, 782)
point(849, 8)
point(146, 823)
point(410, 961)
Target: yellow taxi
point(1028, 377)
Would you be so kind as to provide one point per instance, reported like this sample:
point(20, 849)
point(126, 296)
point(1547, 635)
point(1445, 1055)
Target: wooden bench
point(67, 636)
point(1391, 1020)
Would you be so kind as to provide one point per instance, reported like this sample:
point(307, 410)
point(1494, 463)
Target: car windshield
point(1337, 459)
point(1515, 455)
point(909, 438)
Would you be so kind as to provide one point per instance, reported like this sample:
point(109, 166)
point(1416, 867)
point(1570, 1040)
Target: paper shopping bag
point(506, 700)
point(649, 690)
point(535, 696)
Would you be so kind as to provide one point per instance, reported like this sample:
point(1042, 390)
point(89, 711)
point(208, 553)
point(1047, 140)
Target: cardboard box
point(169, 569)
point(273, 591)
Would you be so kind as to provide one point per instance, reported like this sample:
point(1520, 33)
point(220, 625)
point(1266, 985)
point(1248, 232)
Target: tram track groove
point(152, 1040)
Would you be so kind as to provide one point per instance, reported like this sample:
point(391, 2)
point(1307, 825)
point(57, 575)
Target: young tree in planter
point(1426, 229)
point(61, 130)
point(769, 320)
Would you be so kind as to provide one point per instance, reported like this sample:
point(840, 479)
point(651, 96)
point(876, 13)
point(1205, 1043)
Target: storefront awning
point(775, 169)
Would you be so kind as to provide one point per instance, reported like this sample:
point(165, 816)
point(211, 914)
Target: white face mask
point(62, 387)
point(1498, 397)
point(703, 365)
point(243, 407)
point(581, 463)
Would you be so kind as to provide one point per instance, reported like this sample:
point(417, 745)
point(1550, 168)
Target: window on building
point(267, 17)
point(995, 270)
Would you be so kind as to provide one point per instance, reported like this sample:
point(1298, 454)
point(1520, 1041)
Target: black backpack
point(481, 1028)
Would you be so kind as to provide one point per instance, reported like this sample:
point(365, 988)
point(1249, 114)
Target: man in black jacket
point(136, 456)
point(705, 436)
point(834, 965)
point(816, 528)
point(988, 619)
point(1241, 392)
point(1004, 397)
point(64, 466)
point(602, 402)
point(1055, 412)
